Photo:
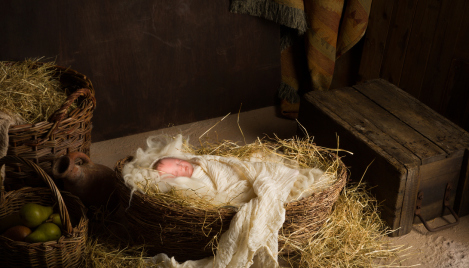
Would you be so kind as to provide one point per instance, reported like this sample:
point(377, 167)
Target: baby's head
point(174, 166)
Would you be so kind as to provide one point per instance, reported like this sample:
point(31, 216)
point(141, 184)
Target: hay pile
point(30, 90)
point(351, 237)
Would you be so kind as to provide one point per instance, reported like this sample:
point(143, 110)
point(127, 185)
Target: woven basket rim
point(88, 93)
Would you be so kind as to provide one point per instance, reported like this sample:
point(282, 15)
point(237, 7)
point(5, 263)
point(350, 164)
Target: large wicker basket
point(62, 133)
point(191, 233)
point(65, 252)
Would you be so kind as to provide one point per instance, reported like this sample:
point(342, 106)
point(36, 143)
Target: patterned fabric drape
point(314, 34)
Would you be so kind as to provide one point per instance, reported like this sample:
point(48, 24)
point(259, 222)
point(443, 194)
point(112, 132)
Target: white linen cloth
point(260, 189)
point(254, 228)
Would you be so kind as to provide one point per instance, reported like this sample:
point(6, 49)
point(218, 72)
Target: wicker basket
point(190, 233)
point(65, 252)
point(63, 132)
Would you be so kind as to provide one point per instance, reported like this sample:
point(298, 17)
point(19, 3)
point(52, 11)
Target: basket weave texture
point(62, 133)
point(65, 252)
point(189, 233)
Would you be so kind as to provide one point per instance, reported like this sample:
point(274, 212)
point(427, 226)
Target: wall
point(153, 63)
point(421, 46)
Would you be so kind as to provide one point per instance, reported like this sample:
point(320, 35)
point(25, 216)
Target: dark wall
point(421, 46)
point(153, 63)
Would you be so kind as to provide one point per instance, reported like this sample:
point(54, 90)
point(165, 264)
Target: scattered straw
point(353, 236)
point(30, 90)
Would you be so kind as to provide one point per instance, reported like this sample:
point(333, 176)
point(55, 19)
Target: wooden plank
point(433, 181)
point(375, 39)
point(409, 201)
point(456, 93)
point(461, 205)
point(368, 131)
point(460, 48)
point(438, 129)
point(440, 168)
point(419, 46)
point(441, 54)
point(368, 110)
point(397, 41)
point(152, 63)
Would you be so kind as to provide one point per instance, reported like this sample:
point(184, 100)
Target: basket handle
point(59, 115)
point(67, 225)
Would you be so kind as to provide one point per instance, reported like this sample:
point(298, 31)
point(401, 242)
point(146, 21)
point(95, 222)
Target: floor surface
point(446, 248)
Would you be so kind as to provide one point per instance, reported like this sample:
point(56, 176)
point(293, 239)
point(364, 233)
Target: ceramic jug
point(94, 184)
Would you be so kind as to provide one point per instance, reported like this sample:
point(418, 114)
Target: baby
point(227, 179)
point(174, 167)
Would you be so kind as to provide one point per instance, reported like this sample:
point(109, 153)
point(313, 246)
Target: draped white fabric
point(254, 229)
point(259, 188)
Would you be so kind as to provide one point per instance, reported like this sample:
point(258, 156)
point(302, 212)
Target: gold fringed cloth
point(314, 34)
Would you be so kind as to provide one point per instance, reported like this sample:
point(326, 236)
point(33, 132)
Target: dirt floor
point(446, 248)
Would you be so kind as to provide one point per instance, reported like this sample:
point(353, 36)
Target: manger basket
point(189, 233)
point(65, 131)
point(65, 252)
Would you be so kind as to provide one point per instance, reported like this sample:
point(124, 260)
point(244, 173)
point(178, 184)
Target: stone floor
point(446, 248)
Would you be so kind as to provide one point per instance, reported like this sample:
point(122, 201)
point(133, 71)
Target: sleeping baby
point(221, 180)
point(229, 181)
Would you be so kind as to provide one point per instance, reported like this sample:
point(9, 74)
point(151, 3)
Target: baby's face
point(176, 167)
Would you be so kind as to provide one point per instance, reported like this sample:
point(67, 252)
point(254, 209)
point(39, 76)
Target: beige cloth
point(6, 120)
point(254, 229)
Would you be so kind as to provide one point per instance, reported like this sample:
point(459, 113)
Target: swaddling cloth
point(223, 180)
point(254, 228)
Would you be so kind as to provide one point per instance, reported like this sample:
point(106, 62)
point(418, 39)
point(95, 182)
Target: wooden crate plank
point(397, 40)
point(375, 39)
point(440, 168)
point(461, 205)
point(409, 201)
point(358, 124)
point(403, 134)
point(441, 54)
point(447, 135)
point(434, 186)
point(419, 46)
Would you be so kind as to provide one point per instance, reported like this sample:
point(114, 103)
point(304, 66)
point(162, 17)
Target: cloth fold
point(254, 229)
point(314, 35)
point(7, 120)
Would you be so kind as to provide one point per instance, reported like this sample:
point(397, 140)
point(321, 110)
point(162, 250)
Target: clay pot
point(94, 184)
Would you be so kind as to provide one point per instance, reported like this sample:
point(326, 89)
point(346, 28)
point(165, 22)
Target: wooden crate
point(407, 147)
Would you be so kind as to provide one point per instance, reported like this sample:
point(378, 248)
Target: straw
point(30, 90)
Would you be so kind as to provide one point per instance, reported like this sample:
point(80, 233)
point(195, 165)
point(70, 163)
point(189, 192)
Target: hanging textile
point(314, 33)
